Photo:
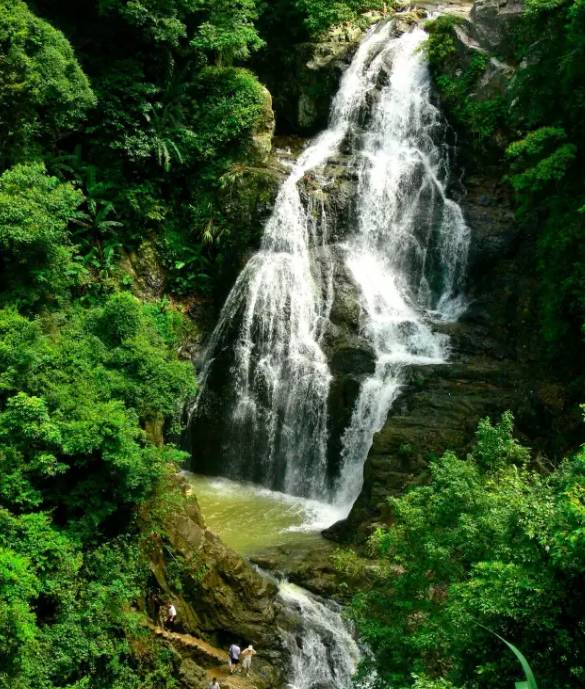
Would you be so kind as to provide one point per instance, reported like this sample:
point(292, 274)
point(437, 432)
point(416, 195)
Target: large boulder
point(220, 598)
point(144, 267)
point(495, 24)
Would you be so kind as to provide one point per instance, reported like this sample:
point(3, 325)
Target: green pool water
point(251, 519)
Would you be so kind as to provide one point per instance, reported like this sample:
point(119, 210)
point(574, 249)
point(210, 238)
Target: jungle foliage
point(120, 121)
point(490, 545)
point(538, 122)
point(126, 120)
point(77, 388)
point(319, 15)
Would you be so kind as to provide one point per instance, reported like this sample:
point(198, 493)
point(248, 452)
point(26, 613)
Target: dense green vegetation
point(120, 122)
point(319, 15)
point(173, 113)
point(539, 119)
point(77, 389)
point(99, 147)
point(490, 544)
point(125, 122)
point(547, 164)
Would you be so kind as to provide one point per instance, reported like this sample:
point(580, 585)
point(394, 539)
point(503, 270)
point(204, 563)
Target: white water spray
point(323, 650)
point(283, 297)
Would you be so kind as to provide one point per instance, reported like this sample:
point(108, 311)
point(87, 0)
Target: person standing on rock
point(247, 654)
point(214, 684)
point(234, 657)
point(171, 615)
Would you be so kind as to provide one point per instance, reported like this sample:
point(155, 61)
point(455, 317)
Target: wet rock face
point(495, 361)
point(494, 365)
point(494, 25)
point(318, 68)
point(351, 358)
point(307, 79)
point(220, 598)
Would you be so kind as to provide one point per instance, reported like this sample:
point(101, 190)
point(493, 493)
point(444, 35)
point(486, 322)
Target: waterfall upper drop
point(391, 237)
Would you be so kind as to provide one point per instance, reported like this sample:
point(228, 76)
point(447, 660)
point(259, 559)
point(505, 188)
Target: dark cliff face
point(304, 76)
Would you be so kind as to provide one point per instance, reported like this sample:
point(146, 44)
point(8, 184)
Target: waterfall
point(282, 298)
point(406, 253)
point(323, 650)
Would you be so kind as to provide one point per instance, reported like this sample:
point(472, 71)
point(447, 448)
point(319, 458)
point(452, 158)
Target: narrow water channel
point(323, 649)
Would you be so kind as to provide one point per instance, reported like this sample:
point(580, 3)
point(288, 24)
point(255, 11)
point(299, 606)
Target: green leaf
point(530, 682)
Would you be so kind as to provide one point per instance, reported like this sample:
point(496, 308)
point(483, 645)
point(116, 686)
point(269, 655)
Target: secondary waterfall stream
point(406, 253)
point(324, 653)
point(409, 252)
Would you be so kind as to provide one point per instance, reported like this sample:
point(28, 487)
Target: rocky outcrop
point(305, 77)
point(309, 565)
point(219, 597)
point(260, 145)
point(491, 30)
point(495, 24)
point(145, 270)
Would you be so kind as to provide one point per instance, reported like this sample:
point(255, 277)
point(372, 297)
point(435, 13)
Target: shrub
point(43, 91)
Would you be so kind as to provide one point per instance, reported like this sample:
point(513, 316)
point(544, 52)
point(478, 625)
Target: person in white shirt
point(171, 614)
point(234, 657)
point(247, 654)
point(214, 684)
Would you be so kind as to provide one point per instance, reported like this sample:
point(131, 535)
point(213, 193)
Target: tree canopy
point(489, 544)
point(44, 93)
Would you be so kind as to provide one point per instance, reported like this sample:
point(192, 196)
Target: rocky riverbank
point(220, 598)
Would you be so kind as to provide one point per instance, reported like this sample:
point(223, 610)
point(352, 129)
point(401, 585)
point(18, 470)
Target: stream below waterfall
point(323, 648)
point(267, 376)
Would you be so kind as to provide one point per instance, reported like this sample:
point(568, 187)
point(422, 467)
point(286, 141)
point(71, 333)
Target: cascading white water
point(406, 254)
point(324, 653)
point(409, 253)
